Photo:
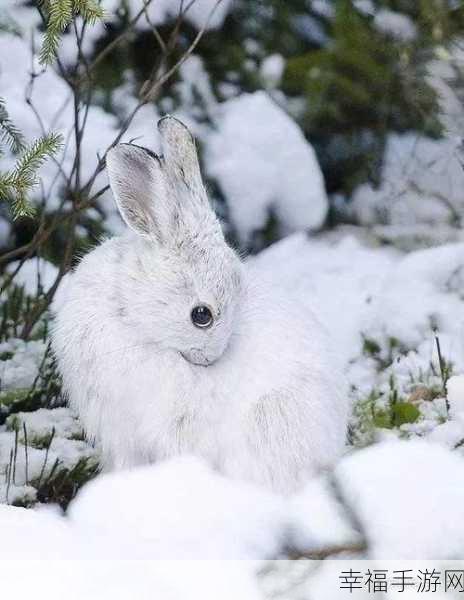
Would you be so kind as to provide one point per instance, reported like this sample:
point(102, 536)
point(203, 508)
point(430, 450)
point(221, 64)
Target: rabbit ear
point(182, 169)
point(180, 154)
point(137, 182)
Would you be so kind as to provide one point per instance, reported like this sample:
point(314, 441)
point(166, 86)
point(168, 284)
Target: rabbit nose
point(197, 357)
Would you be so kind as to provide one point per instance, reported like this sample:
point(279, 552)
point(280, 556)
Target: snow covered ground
point(383, 309)
point(398, 491)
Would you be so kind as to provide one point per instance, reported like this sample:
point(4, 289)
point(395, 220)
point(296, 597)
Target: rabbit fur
point(257, 394)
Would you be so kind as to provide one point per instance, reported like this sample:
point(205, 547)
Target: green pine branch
point(89, 10)
point(60, 14)
point(15, 185)
point(9, 133)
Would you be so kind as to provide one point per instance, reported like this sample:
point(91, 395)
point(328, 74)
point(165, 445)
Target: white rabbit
point(169, 344)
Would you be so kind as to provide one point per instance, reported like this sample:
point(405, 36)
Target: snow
point(29, 534)
point(272, 69)
point(363, 293)
point(181, 509)
point(54, 442)
point(365, 7)
point(34, 275)
point(421, 182)
point(335, 277)
point(193, 513)
point(120, 580)
point(455, 388)
point(425, 285)
point(35, 467)
point(51, 97)
point(200, 10)
point(405, 493)
point(197, 12)
point(43, 421)
point(21, 369)
point(195, 82)
point(323, 7)
point(355, 289)
point(319, 520)
point(263, 163)
point(396, 24)
point(408, 497)
point(56, 557)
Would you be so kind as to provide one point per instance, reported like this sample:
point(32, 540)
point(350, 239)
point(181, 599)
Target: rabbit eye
point(201, 316)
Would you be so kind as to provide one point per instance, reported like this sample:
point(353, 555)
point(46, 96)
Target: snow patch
point(405, 512)
point(181, 509)
point(395, 24)
point(455, 388)
point(421, 182)
point(263, 163)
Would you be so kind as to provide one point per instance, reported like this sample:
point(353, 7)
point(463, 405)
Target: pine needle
point(16, 185)
point(61, 14)
point(9, 133)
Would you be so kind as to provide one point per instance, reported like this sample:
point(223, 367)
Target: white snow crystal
point(263, 162)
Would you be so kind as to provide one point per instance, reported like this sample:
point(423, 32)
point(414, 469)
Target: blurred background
point(308, 113)
point(330, 134)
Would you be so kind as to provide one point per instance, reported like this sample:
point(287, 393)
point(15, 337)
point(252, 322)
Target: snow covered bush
point(265, 168)
point(421, 183)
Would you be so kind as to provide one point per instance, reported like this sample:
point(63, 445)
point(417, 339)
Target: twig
point(150, 89)
point(327, 552)
point(117, 40)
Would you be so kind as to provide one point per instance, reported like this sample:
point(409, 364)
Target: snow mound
point(335, 278)
point(385, 293)
point(425, 291)
point(181, 509)
point(28, 534)
point(264, 164)
point(408, 498)
point(320, 521)
point(87, 567)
